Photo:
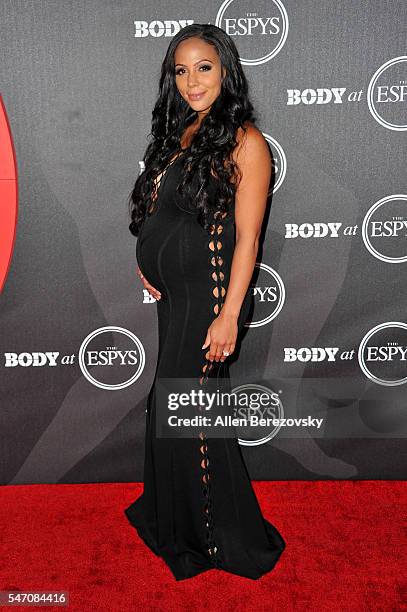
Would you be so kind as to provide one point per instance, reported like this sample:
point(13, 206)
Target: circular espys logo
point(279, 162)
point(257, 400)
point(382, 353)
point(262, 31)
point(386, 94)
point(269, 296)
point(108, 366)
point(384, 229)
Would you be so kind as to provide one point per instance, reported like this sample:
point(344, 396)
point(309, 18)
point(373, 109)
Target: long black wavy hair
point(212, 143)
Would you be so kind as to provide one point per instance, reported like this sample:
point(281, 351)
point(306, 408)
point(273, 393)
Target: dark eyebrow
point(202, 60)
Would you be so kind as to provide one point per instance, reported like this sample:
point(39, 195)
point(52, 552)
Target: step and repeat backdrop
point(327, 333)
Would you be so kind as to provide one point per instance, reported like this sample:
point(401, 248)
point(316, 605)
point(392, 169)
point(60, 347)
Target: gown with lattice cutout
point(198, 510)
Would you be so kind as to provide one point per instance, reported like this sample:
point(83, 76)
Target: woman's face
point(198, 73)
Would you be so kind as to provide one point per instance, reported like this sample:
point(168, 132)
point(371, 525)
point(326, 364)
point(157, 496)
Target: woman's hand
point(221, 336)
point(152, 290)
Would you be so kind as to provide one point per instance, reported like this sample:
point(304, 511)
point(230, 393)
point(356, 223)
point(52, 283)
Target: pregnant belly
point(175, 257)
point(172, 255)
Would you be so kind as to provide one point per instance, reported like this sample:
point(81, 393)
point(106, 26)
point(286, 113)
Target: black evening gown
point(198, 510)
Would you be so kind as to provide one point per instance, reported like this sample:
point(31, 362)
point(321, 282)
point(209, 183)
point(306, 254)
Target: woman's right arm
point(152, 290)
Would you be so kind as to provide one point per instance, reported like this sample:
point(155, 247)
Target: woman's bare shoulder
point(251, 145)
point(249, 136)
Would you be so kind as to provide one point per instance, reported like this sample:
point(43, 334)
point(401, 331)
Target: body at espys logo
point(386, 95)
point(261, 32)
point(384, 229)
point(110, 358)
point(383, 353)
point(269, 296)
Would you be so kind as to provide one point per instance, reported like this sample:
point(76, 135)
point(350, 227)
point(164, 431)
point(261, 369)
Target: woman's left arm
point(253, 158)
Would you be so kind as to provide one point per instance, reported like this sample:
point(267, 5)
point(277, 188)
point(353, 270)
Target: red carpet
point(346, 550)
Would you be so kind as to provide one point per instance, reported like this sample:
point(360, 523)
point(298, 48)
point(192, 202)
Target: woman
point(207, 174)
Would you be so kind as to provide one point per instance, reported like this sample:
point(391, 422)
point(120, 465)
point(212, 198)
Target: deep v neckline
point(163, 176)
